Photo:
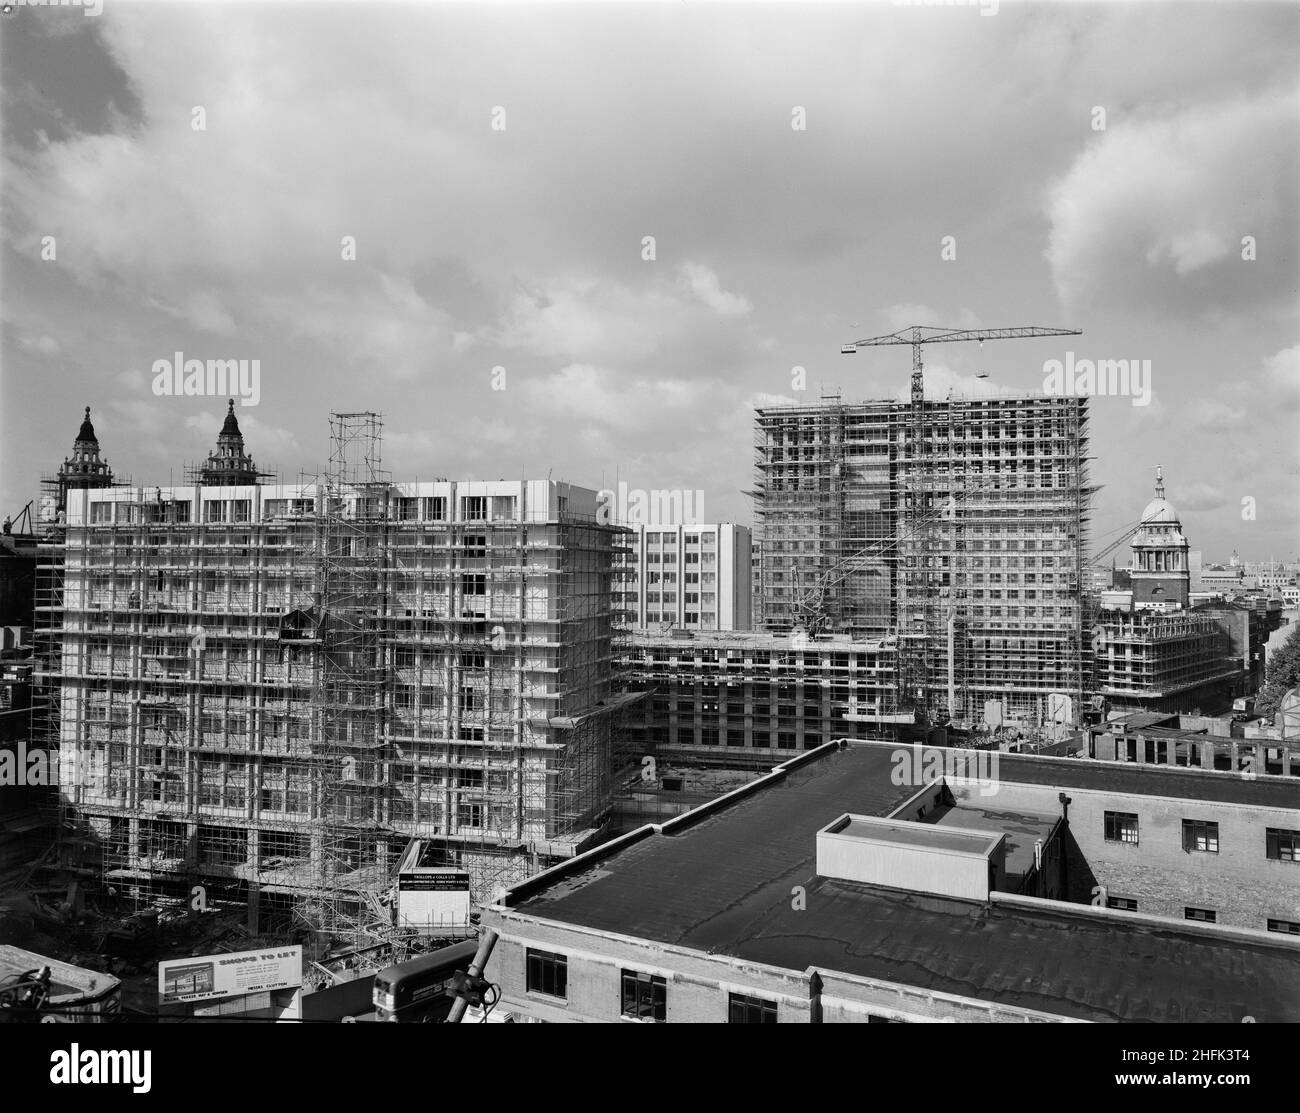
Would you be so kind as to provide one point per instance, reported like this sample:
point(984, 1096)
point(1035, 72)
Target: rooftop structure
point(730, 912)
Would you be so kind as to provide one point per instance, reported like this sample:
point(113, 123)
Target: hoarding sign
point(430, 898)
point(232, 975)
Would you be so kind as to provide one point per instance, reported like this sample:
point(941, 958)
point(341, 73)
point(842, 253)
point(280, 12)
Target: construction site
point(261, 693)
point(957, 527)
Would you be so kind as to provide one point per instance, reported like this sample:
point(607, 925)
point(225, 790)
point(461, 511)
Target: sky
point(440, 212)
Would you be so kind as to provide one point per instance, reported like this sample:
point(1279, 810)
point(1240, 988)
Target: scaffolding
point(266, 691)
point(969, 546)
point(351, 848)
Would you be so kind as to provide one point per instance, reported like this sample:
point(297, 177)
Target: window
point(645, 996)
point(473, 508)
point(548, 973)
point(1121, 827)
point(1201, 915)
point(1286, 927)
point(1202, 836)
point(750, 1010)
point(1126, 904)
point(1282, 846)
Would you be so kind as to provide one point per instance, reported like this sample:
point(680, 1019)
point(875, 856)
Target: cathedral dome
point(1159, 511)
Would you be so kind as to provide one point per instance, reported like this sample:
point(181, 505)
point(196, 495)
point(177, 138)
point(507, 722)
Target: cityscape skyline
point(641, 261)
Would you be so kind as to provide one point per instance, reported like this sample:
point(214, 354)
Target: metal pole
point(484, 952)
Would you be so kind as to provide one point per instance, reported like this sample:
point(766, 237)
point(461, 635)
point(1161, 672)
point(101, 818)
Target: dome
point(1159, 511)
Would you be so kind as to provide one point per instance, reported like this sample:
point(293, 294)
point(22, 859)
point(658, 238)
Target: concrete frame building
point(968, 546)
point(269, 689)
point(697, 577)
point(732, 695)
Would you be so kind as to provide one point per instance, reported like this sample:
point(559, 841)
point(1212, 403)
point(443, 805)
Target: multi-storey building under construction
point(268, 690)
point(966, 543)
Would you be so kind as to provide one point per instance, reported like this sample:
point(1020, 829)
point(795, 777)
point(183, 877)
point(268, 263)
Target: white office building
point(696, 577)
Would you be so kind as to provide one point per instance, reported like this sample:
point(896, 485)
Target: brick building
point(1057, 890)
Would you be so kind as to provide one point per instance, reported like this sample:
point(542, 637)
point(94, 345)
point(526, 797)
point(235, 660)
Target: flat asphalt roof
point(1022, 829)
point(722, 882)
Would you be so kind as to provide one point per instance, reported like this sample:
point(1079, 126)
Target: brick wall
point(1239, 883)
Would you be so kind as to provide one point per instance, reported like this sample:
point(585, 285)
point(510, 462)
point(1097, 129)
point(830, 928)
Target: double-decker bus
point(415, 992)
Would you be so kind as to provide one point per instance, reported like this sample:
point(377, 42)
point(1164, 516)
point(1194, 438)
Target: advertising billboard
point(249, 974)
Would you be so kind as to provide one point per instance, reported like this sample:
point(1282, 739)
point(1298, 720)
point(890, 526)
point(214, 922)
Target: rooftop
point(718, 880)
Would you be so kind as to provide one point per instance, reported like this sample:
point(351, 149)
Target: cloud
point(203, 309)
point(1198, 496)
point(584, 394)
point(905, 314)
point(703, 283)
point(1281, 375)
point(1157, 206)
point(40, 345)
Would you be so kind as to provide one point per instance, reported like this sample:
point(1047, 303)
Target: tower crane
point(914, 604)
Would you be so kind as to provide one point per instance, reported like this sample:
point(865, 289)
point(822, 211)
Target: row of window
point(1206, 915)
point(691, 538)
point(1202, 836)
point(643, 996)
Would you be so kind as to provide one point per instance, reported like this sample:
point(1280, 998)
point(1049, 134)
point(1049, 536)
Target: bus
point(415, 992)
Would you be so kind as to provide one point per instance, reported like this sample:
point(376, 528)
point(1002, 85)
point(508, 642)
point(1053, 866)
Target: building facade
point(695, 577)
point(738, 695)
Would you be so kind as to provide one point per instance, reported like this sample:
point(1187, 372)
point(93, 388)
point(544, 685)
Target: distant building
point(739, 694)
point(1160, 574)
point(1182, 741)
point(1151, 652)
point(696, 577)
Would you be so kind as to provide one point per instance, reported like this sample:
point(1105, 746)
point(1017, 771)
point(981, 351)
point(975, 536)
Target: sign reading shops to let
point(231, 975)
